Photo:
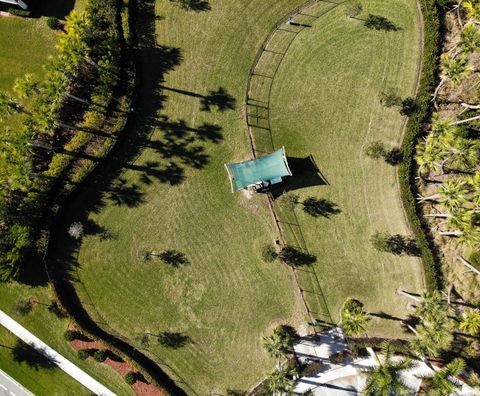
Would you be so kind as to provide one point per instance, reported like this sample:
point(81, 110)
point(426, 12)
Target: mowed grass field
point(25, 45)
point(174, 193)
point(325, 102)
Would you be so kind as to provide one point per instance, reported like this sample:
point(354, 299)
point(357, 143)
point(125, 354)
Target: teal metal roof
point(268, 167)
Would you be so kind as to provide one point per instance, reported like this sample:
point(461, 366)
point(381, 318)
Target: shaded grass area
point(34, 371)
point(166, 188)
point(325, 103)
point(46, 326)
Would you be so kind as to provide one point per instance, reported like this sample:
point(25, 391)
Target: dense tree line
point(41, 142)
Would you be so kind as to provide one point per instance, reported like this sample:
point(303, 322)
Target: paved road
point(10, 387)
point(64, 364)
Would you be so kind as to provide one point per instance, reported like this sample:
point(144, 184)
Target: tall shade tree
point(385, 379)
point(443, 381)
point(354, 319)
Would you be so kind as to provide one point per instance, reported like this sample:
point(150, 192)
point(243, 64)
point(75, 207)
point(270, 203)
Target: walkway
point(64, 364)
point(10, 387)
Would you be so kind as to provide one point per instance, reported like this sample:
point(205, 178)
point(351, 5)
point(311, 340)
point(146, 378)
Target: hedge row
point(415, 128)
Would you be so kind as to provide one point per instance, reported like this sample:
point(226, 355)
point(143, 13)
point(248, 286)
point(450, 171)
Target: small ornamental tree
point(76, 230)
point(354, 319)
point(70, 335)
point(83, 354)
point(53, 23)
point(130, 378)
point(100, 355)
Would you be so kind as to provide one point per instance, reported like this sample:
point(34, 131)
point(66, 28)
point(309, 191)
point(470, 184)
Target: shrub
point(83, 354)
point(389, 98)
point(353, 10)
point(269, 254)
point(53, 23)
point(18, 12)
point(310, 368)
point(100, 355)
point(71, 335)
point(408, 107)
point(76, 230)
point(393, 156)
point(130, 378)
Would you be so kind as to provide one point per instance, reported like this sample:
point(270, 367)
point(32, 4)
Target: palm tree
point(453, 70)
point(470, 38)
point(384, 379)
point(443, 381)
point(276, 347)
point(472, 9)
point(279, 383)
point(470, 322)
point(354, 319)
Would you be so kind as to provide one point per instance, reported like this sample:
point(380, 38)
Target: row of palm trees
point(436, 323)
point(448, 157)
point(87, 59)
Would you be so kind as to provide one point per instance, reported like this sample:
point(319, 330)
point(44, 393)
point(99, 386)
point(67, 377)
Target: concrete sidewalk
point(10, 387)
point(64, 364)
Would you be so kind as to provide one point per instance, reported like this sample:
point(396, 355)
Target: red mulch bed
point(141, 388)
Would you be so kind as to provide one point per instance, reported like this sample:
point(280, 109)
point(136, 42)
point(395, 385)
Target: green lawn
point(167, 187)
point(46, 326)
point(33, 371)
point(25, 45)
point(325, 103)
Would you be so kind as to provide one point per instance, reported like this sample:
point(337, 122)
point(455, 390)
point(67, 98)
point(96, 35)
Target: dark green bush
point(53, 23)
point(100, 355)
point(83, 354)
point(130, 378)
point(19, 12)
point(407, 170)
point(71, 335)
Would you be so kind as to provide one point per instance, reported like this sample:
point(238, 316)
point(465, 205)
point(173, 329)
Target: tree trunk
point(434, 99)
point(451, 233)
point(469, 106)
point(438, 215)
point(77, 98)
point(467, 120)
point(430, 198)
point(468, 265)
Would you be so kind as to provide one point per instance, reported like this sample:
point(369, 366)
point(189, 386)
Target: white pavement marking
point(64, 364)
point(12, 387)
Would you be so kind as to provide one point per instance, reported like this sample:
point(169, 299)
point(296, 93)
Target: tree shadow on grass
point(173, 340)
point(193, 5)
point(24, 353)
point(320, 207)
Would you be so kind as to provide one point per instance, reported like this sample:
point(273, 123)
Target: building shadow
point(305, 173)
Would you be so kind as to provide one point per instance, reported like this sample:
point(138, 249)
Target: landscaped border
point(414, 130)
point(62, 290)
